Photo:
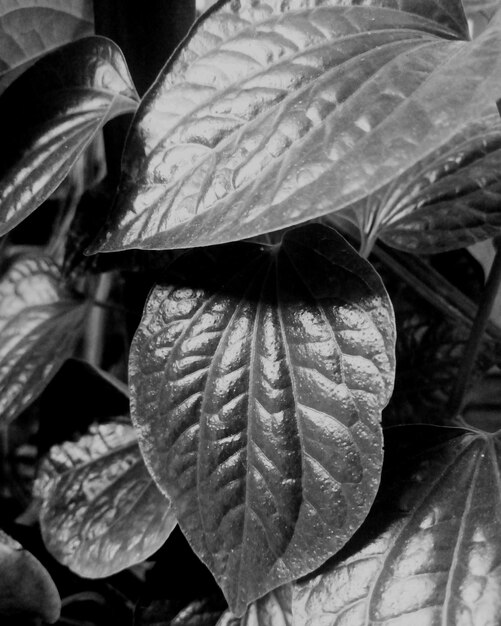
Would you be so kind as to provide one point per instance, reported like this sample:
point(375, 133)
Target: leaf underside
point(76, 88)
point(26, 588)
point(433, 551)
point(40, 323)
point(101, 510)
point(257, 388)
point(273, 113)
point(31, 28)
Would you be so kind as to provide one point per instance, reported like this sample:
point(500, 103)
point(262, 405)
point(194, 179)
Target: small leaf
point(430, 553)
point(101, 510)
point(197, 613)
point(450, 199)
point(26, 588)
point(273, 113)
point(51, 114)
point(39, 326)
point(31, 28)
point(274, 609)
point(257, 383)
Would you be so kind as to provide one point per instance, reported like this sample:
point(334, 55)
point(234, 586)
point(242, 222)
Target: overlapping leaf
point(257, 381)
point(31, 28)
point(448, 200)
point(486, 7)
point(276, 112)
point(432, 550)
point(39, 325)
point(101, 510)
point(26, 588)
point(274, 609)
point(50, 115)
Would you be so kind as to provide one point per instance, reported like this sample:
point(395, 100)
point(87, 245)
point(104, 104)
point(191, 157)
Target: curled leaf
point(26, 588)
point(257, 388)
point(51, 114)
point(39, 326)
point(31, 28)
point(273, 113)
point(430, 552)
point(101, 511)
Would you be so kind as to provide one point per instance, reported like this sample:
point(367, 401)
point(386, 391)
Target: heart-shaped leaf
point(40, 322)
point(50, 115)
point(257, 382)
point(101, 510)
point(273, 113)
point(31, 28)
point(430, 553)
point(274, 609)
point(26, 588)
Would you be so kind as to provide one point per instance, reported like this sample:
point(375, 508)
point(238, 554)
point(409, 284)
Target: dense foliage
point(295, 414)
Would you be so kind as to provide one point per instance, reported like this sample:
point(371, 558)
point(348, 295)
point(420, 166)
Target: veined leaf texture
point(273, 113)
point(258, 376)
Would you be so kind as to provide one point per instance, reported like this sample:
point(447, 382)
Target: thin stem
point(96, 323)
point(479, 325)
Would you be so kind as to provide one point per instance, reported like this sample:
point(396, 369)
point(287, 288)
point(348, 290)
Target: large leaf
point(39, 326)
point(51, 114)
point(273, 113)
point(26, 588)
point(101, 510)
point(431, 552)
point(31, 28)
point(274, 609)
point(257, 383)
point(449, 199)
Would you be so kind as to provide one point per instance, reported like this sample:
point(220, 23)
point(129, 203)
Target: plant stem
point(479, 325)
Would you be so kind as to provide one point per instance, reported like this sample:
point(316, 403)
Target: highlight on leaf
point(26, 589)
point(77, 89)
point(101, 511)
point(429, 552)
point(258, 376)
point(40, 323)
point(274, 113)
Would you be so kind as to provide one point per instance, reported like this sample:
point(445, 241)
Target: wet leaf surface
point(277, 112)
point(257, 388)
point(31, 28)
point(430, 552)
point(51, 114)
point(101, 510)
point(26, 588)
point(40, 322)
point(450, 199)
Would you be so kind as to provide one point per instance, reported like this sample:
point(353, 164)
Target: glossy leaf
point(448, 200)
point(257, 382)
point(275, 112)
point(31, 28)
point(26, 588)
point(101, 510)
point(274, 609)
point(431, 551)
point(39, 326)
point(50, 115)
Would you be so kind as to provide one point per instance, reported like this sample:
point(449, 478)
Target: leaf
point(26, 588)
point(40, 323)
point(474, 7)
point(197, 613)
point(257, 382)
point(31, 28)
point(450, 199)
point(274, 113)
point(101, 511)
point(51, 114)
point(274, 609)
point(431, 551)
